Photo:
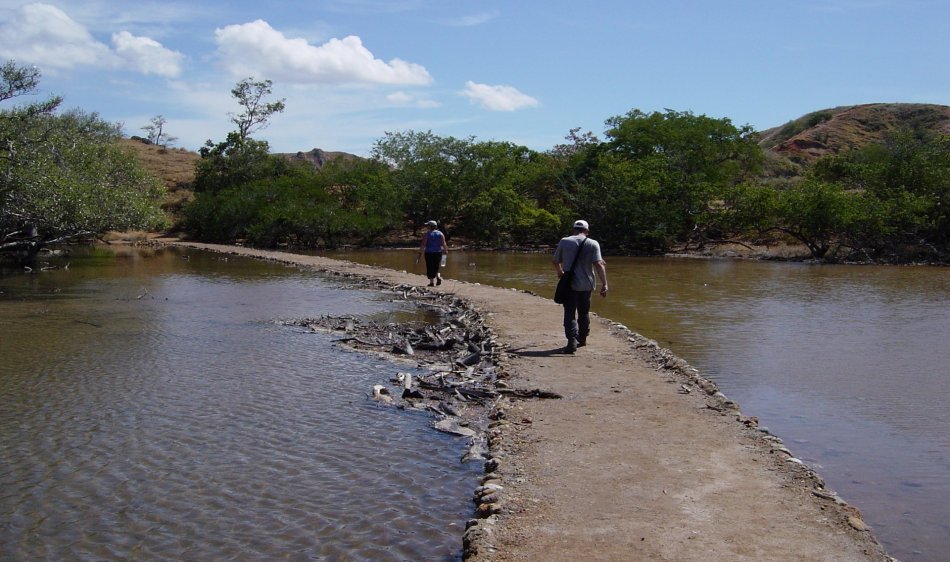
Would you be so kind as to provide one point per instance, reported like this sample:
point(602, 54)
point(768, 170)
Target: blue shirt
point(434, 242)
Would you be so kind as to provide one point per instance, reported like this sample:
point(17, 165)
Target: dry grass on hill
point(840, 129)
point(175, 167)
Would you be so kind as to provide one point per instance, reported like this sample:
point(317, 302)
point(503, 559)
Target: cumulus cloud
point(404, 99)
point(497, 98)
point(146, 55)
point(46, 36)
point(256, 48)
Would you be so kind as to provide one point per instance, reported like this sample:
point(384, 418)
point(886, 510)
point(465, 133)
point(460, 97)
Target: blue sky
point(520, 71)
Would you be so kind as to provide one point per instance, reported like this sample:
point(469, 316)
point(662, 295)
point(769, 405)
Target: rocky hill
point(317, 157)
point(830, 131)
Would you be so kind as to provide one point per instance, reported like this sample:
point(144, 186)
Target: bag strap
point(580, 248)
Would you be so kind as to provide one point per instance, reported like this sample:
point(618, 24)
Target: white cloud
point(46, 36)
point(256, 48)
point(497, 98)
point(473, 20)
point(404, 99)
point(146, 55)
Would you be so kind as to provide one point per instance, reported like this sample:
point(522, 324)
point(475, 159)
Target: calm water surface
point(850, 365)
point(151, 408)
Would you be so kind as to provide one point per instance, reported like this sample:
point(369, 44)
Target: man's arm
point(600, 267)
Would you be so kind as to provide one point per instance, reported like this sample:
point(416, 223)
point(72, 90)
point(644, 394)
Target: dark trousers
point(577, 315)
point(433, 261)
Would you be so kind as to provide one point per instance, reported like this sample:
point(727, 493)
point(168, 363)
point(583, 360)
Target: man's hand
point(603, 291)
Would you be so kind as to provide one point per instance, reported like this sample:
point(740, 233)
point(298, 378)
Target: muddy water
point(850, 365)
point(152, 409)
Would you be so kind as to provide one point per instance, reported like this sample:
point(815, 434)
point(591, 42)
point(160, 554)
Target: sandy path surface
point(635, 461)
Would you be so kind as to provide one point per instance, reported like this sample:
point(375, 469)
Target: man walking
point(581, 255)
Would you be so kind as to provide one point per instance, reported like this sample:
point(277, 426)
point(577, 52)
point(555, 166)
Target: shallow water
point(152, 408)
point(848, 364)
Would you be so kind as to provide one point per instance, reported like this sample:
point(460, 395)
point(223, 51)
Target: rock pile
point(461, 380)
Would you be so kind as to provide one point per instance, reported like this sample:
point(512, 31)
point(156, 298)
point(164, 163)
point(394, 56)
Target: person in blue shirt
point(433, 247)
point(580, 248)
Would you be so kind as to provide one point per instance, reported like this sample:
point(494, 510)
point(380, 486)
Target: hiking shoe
point(571, 347)
point(438, 280)
point(582, 339)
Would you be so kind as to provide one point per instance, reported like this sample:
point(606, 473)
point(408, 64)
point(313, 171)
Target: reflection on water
point(153, 409)
point(848, 364)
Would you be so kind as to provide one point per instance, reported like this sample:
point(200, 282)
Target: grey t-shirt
point(566, 252)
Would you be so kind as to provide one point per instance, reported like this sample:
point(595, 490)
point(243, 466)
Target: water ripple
point(191, 426)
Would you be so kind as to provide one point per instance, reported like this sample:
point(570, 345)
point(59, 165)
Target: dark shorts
point(433, 260)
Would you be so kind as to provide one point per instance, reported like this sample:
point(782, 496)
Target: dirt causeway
point(641, 458)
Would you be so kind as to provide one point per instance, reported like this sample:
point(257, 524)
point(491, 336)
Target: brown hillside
point(839, 129)
point(175, 167)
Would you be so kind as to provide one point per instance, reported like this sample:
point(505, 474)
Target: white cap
point(432, 223)
point(581, 224)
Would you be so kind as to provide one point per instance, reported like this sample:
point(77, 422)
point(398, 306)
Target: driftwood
point(536, 393)
point(459, 350)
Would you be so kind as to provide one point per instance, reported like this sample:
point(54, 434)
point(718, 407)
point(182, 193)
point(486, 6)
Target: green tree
point(299, 209)
point(819, 214)
point(244, 192)
point(483, 190)
point(655, 176)
point(498, 183)
point(64, 176)
point(427, 170)
point(909, 175)
point(364, 188)
point(570, 163)
point(624, 200)
point(239, 159)
point(251, 94)
point(235, 162)
point(744, 211)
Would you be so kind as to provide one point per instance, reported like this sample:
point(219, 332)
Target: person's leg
point(570, 322)
point(583, 317)
point(432, 266)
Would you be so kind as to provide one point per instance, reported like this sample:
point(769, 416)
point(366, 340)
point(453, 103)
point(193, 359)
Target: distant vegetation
point(867, 183)
point(864, 183)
